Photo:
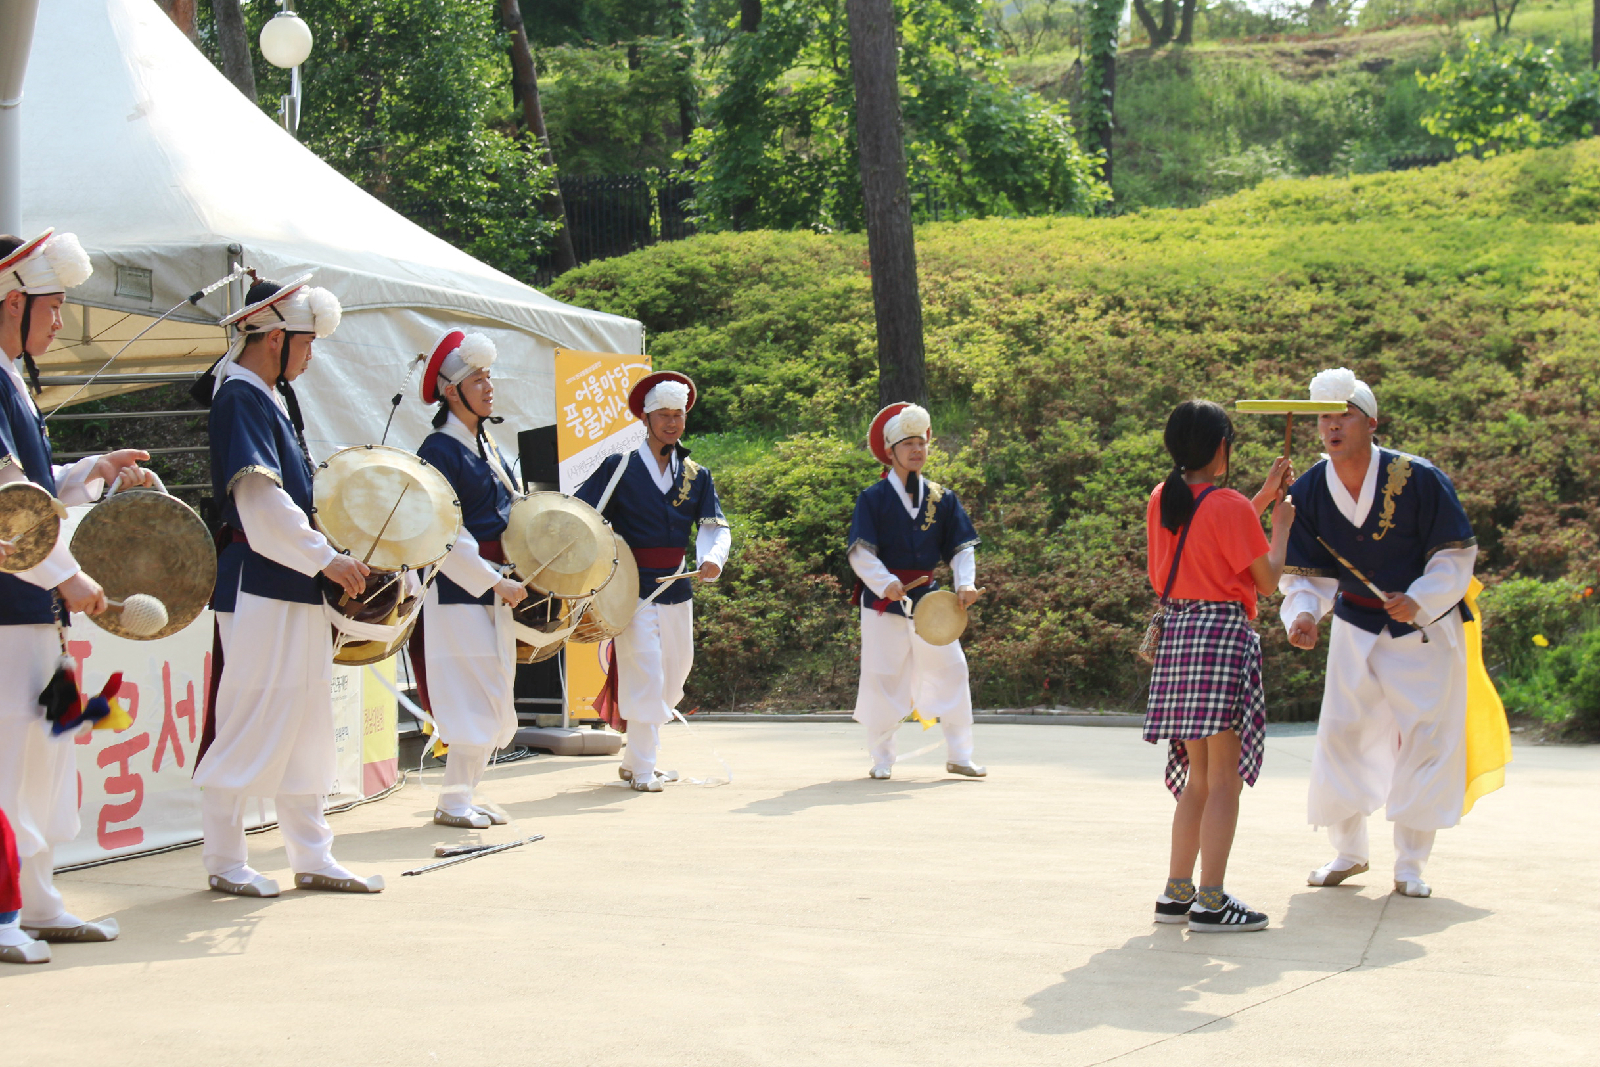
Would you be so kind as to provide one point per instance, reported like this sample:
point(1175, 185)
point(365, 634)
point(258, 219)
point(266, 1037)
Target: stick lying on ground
point(476, 853)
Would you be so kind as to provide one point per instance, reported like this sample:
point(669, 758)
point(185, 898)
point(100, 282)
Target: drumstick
point(345, 599)
point(544, 566)
point(473, 855)
point(675, 577)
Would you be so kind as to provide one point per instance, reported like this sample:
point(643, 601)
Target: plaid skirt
point(1207, 679)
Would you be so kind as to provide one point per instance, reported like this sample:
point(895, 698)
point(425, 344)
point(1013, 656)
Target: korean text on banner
point(592, 422)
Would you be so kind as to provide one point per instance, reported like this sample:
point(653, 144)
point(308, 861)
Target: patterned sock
point(1211, 897)
point(1180, 889)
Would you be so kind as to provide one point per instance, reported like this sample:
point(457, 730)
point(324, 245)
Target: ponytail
point(1195, 429)
point(442, 415)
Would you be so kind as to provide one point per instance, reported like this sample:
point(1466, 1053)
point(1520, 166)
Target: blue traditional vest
point(23, 436)
point(250, 434)
point(1415, 513)
point(485, 500)
point(902, 543)
point(646, 518)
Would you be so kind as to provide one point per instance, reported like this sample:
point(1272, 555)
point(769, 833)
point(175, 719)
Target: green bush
point(1056, 349)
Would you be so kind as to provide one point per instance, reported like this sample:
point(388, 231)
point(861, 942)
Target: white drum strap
point(611, 486)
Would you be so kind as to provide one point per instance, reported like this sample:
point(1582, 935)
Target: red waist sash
point(659, 559)
point(491, 551)
point(1370, 603)
point(881, 604)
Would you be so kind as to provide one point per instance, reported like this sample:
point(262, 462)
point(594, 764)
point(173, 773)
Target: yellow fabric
point(119, 719)
point(916, 716)
point(1488, 735)
point(440, 749)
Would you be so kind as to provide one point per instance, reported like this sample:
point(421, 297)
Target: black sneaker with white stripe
point(1232, 918)
point(1172, 911)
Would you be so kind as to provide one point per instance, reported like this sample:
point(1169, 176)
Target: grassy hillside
point(1056, 348)
point(1205, 121)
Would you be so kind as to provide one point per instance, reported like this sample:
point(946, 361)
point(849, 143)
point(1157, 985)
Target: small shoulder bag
point(1152, 633)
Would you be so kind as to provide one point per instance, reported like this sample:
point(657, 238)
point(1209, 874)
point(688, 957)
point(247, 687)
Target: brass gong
point(144, 541)
point(31, 519)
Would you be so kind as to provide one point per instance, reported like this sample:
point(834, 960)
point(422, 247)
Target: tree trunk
point(1159, 33)
point(1186, 23)
point(526, 82)
point(181, 12)
point(235, 46)
point(886, 197)
point(750, 15)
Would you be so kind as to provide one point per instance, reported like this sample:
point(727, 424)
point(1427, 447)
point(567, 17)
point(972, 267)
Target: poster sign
point(592, 422)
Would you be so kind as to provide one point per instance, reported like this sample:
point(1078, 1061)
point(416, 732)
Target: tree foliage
point(410, 100)
point(1498, 98)
point(779, 146)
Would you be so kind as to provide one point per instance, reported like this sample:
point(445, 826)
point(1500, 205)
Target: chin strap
point(291, 401)
point(27, 357)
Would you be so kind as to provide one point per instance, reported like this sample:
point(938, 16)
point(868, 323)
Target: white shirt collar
point(236, 371)
point(903, 497)
point(662, 478)
point(458, 429)
point(1355, 510)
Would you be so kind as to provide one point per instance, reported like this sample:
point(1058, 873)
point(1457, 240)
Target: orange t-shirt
point(1224, 539)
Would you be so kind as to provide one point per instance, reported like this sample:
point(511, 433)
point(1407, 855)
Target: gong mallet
point(142, 614)
point(1291, 408)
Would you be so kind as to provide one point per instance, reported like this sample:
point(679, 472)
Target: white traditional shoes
point(104, 930)
point(254, 886)
point(1335, 871)
point(332, 883)
point(1413, 888)
point(657, 780)
point(29, 952)
point(473, 820)
point(971, 770)
point(880, 771)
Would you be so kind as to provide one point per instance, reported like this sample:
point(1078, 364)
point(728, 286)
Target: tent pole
point(16, 40)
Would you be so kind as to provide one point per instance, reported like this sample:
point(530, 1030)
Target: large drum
point(611, 609)
point(30, 518)
point(559, 545)
point(141, 541)
point(395, 513)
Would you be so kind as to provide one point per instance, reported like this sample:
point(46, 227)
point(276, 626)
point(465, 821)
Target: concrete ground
point(805, 915)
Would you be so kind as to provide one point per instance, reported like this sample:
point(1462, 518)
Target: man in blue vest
point(38, 772)
point(1381, 542)
point(903, 527)
point(655, 496)
point(270, 726)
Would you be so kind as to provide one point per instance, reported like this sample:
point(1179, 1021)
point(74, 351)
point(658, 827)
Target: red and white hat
point(456, 356)
point(664, 389)
point(894, 424)
point(50, 263)
point(294, 306)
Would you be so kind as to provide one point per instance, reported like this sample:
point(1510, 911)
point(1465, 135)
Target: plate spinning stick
point(1291, 408)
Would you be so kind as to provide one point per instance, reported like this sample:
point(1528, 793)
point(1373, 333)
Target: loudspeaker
point(537, 448)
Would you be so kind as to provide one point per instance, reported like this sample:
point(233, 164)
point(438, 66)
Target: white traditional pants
point(901, 672)
point(1392, 734)
point(472, 672)
point(274, 731)
point(654, 655)
point(38, 772)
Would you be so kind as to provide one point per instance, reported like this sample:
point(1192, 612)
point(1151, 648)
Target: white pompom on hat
point(1341, 386)
point(50, 263)
point(667, 395)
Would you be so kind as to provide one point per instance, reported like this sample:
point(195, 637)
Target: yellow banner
point(592, 422)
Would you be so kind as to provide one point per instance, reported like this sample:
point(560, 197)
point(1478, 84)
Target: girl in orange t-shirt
point(1206, 698)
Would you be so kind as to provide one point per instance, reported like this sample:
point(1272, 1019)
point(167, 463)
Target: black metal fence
point(614, 214)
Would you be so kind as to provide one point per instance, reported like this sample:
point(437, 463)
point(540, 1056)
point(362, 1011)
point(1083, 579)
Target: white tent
point(135, 142)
